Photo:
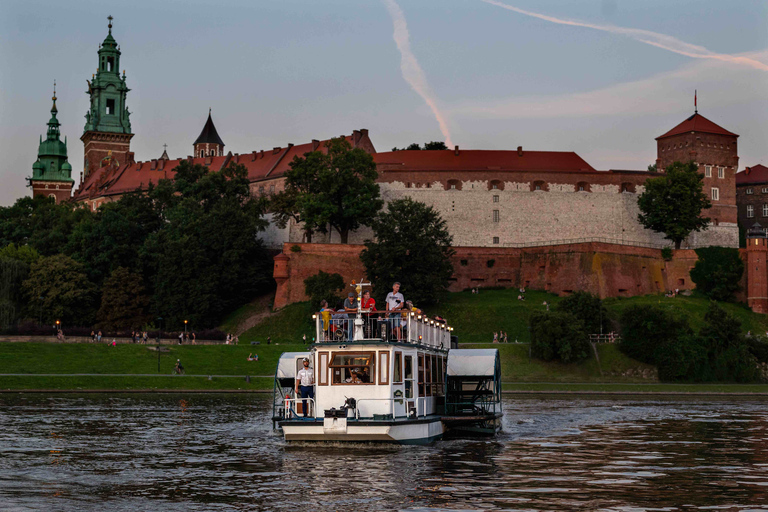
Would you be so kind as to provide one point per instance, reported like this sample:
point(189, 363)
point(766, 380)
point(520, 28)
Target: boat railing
point(373, 325)
point(291, 407)
point(421, 406)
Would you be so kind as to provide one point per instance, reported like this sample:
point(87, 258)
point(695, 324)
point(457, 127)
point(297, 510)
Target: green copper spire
point(52, 164)
point(108, 112)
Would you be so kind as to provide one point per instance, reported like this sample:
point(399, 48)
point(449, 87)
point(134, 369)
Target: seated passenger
point(353, 377)
point(365, 378)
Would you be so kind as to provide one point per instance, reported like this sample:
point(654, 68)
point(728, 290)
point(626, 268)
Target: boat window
point(421, 375)
point(397, 371)
point(322, 371)
point(408, 374)
point(352, 368)
point(384, 368)
point(428, 375)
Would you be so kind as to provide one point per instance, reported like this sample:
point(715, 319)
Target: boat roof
point(286, 365)
point(474, 362)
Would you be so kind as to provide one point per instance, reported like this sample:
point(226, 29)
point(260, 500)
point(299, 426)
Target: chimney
point(456, 150)
point(154, 164)
point(262, 153)
point(253, 157)
point(315, 144)
point(275, 150)
point(355, 137)
point(364, 132)
point(237, 158)
point(290, 145)
point(189, 159)
point(162, 163)
point(138, 165)
point(519, 150)
point(747, 170)
point(81, 179)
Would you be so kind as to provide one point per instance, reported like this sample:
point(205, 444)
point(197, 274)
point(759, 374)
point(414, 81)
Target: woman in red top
point(368, 303)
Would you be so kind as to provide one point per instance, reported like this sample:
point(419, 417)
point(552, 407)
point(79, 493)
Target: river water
point(218, 452)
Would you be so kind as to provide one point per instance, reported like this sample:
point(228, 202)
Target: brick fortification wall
point(607, 270)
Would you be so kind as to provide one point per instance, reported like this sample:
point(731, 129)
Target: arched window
point(496, 185)
point(539, 186)
point(453, 185)
point(583, 186)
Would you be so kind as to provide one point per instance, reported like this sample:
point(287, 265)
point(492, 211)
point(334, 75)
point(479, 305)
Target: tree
point(653, 168)
point(412, 246)
point(323, 286)
point(23, 253)
point(336, 188)
point(729, 356)
point(645, 328)
point(558, 336)
point(587, 308)
point(284, 206)
point(672, 203)
point(207, 258)
point(718, 272)
point(123, 301)
point(428, 146)
point(60, 287)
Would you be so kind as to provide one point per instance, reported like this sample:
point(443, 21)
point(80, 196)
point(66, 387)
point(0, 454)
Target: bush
point(323, 286)
point(758, 347)
point(586, 307)
point(645, 328)
point(718, 272)
point(729, 356)
point(558, 336)
point(666, 253)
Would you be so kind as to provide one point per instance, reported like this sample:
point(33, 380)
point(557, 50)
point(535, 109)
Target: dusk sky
point(599, 77)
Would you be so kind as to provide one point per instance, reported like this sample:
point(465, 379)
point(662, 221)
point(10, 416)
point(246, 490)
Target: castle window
point(496, 185)
point(765, 190)
point(495, 199)
point(271, 189)
point(708, 171)
point(453, 185)
point(715, 194)
point(538, 185)
point(261, 190)
point(765, 210)
point(721, 172)
point(627, 187)
point(495, 215)
point(495, 240)
point(110, 107)
point(750, 211)
point(408, 185)
point(749, 191)
point(582, 186)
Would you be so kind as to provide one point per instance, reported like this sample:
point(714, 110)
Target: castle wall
point(607, 270)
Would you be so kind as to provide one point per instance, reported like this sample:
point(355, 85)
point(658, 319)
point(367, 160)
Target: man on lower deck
point(305, 381)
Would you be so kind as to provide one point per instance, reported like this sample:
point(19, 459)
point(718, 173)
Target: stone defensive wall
point(604, 269)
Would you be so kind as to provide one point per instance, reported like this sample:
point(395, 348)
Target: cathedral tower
point(209, 143)
point(107, 132)
point(52, 173)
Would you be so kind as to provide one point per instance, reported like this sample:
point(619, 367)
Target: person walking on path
point(305, 381)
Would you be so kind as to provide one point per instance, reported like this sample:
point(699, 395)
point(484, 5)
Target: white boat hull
point(420, 431)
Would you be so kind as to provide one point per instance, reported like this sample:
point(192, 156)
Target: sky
point(602, 78)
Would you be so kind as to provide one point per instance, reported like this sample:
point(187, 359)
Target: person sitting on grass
point(178, 369)
point(253, 357)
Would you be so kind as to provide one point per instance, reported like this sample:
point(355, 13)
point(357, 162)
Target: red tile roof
point(752, 175)
point(481, 160)
point(261, 165)
point(697, 123)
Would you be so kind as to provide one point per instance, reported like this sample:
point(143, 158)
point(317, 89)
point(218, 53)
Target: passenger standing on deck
point(394, 302)
point(305, 381)
point(350, 306)
point(368, 303)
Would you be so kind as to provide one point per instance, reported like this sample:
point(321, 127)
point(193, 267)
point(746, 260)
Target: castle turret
point(107, 132)
point(51, 172)
point(209, 143)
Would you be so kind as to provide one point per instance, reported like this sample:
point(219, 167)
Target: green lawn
point(135, 383)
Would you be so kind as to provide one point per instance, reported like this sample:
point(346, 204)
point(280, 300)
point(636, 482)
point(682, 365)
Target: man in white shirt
point(305, 381)
point(395, 302)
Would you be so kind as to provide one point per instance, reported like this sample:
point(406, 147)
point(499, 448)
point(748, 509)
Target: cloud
point(662, 41)
point(412, 72)
point(653, 95)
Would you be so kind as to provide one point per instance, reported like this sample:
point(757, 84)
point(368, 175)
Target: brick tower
point(713, 148)
point(757, 269)
point(107, 132)
point(209, 143)
point(52, 173)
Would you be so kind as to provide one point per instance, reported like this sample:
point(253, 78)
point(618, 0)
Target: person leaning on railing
point(325, 318)
point(368, 305)
point(350, 306)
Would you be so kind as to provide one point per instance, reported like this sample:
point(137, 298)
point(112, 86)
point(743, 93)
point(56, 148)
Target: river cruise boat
point(371, 386)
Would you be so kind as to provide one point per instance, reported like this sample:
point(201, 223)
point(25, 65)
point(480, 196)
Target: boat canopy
point(286, 366)
point(476, 362)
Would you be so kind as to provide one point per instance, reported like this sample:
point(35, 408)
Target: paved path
point(121, 375)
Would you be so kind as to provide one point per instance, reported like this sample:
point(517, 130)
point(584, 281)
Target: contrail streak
point(662, 41)
point(409, 66)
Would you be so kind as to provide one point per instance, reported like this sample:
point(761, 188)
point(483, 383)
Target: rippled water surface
point(218, 452)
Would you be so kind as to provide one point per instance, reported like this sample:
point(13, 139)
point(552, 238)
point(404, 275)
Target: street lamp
point(185, 329)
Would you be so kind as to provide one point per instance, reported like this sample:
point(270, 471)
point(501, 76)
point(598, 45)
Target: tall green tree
point(717, 273)
point(413, 247)
point(335, 188)
point(673, 202)
point(588, 309)
point(124, 302)
point(207, 258)
point(59, 286)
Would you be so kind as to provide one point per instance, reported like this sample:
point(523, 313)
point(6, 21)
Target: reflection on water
point(217, 452)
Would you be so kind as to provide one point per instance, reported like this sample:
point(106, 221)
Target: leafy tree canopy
point(123, 301)
point(23, 253)
point(588, 309)
point(557, 335)
point(336, 188)
point(323, 286)
point(412, 246)
point(59, 286)
point(718, 272)
point(673, 202)
point(429, 146)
